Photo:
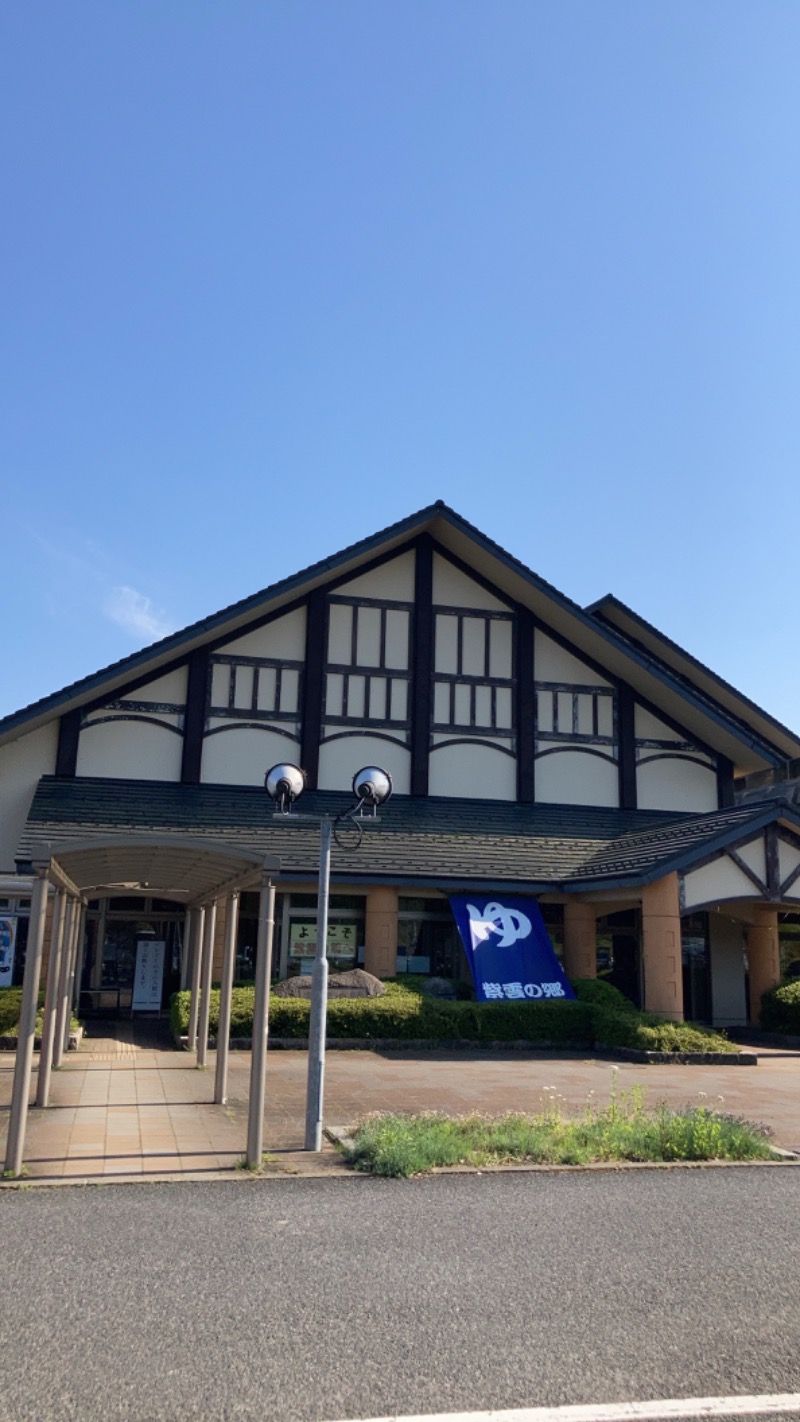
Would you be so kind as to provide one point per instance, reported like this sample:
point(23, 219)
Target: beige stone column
point(661, 948)
point(763, 956)
point(380, 938)
point(580, 939)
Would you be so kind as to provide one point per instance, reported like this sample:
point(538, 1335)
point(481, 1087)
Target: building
point(574, 754)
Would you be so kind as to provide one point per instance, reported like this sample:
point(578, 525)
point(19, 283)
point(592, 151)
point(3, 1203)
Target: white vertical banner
point(148, 982)
point(8, 944)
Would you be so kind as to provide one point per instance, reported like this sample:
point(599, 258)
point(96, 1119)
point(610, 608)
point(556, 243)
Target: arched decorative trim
point(253, 726)
point(577, 750)
point(670, 755)
point(473, 741)
point(147, 720)
point(359, 731)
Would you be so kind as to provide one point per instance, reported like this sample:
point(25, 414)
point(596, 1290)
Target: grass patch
point(399, 1145)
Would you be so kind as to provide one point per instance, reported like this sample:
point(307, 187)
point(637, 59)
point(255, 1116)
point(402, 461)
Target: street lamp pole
point(371, 788)
point(315, 1091)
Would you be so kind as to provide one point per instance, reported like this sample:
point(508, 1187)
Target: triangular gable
point(509, 580)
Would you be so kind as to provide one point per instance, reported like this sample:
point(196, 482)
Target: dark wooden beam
point(422, 681)
point(313, 684)
point(627, 747)
point(725, 789)
point(69, 730)
point(526, 705)
point(773, 862)
point(194, 723)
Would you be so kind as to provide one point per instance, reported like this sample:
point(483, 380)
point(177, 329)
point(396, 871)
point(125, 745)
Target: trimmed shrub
point(780, 1009)
point(648, 1033)
point(600, 993)
point(10, 1006)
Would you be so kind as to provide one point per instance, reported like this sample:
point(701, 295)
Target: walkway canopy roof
point(165, 866)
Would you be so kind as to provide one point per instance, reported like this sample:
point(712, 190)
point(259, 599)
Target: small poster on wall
point(148, 982)
point(8, 943)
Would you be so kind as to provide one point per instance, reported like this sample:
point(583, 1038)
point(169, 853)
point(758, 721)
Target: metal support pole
point(315, 1093)
point(57, 938)
point(205, 983)
point(80, 962)
point(18, 1118)
point(197, 956)
point(186, 947)
point(62, 1017)
point(258, 1064)
point(77, 951)
point(226, 989)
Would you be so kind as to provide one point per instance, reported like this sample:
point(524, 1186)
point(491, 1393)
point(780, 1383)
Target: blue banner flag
point(508, 950)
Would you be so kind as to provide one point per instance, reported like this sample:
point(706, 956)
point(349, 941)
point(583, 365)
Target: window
point(428, 941)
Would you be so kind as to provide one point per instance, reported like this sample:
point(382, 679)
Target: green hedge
point(600, 1015)
point(648, 1033)
point(10, 1008)
point(599, 993)
point(406, 1016)
point(780, 1009)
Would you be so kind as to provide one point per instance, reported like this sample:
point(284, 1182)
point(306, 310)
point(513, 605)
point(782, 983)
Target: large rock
point(356, 983)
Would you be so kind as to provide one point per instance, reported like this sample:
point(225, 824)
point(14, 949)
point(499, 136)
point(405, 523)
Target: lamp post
point(371, 788)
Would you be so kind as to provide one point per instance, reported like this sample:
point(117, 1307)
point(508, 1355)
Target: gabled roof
point(639, 856)
point(737, 729)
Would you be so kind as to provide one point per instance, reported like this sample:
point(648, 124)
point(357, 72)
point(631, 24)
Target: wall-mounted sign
point(8, 943)
point(148, 981)
point(342, 940)
point(508, 950)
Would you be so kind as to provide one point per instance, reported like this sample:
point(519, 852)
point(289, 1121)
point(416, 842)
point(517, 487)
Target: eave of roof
point(613, 611)
point(438, 841)
point(639, 858)
point(645, 672)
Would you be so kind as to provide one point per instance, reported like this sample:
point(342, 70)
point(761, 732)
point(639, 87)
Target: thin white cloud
point(135, 613)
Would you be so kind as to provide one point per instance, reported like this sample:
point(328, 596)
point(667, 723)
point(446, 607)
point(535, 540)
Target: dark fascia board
point(388, 540)
point(687, 665)
point(647, 661)
point(740, 833)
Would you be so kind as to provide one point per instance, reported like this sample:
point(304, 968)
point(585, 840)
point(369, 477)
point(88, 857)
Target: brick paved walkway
point(136, 1111)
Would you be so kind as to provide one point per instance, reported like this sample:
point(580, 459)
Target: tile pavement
point(127, 1107)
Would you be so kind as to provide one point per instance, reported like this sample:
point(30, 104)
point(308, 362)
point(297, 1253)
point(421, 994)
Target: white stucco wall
point(754, 856)
point(675, 783)
point(573, 777)
point(285, 637)
point(649, 728)
point(715, 882)
point(340, 759)
point(22, 762)
point(130, 750)
point(392, 581)
point(241, 755)
point(171, 687)
point(554, 663)
point(474, 771)
point(452, 588)
point(729, 1005)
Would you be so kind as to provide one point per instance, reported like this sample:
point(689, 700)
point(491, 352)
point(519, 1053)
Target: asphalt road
point(313, 1300)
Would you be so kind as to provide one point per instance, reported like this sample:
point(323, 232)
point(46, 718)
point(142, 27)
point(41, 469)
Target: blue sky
point(277, 274)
